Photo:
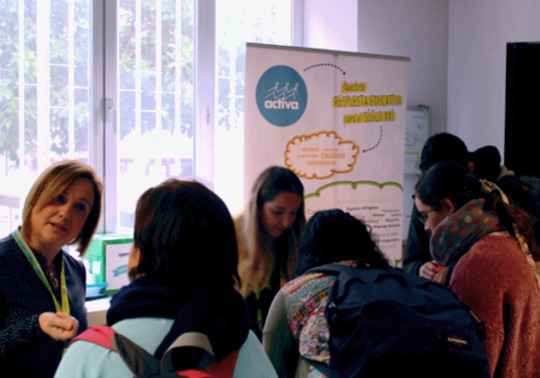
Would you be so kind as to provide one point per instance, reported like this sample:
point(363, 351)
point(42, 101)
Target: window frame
point(103, 98)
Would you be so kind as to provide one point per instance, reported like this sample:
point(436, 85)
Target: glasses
point(424, 214)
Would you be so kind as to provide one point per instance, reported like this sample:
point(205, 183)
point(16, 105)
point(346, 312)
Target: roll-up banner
point(337, 119)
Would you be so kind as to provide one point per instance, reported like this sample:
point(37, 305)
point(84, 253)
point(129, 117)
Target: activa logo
point(280, 104)
point(281, 96)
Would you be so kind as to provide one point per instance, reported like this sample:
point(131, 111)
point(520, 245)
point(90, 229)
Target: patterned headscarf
point(453, 237)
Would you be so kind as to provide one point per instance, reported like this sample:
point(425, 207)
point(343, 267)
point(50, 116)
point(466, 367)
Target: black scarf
point(215, 309)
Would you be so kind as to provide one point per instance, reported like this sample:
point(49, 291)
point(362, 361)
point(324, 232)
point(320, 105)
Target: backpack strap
point(219, 369)
point(137, 359)
point(187, 348)
point(370, 270)
point(100, 335)
point(320, 366)
point(195, 346)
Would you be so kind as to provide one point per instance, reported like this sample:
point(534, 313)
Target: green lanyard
point(27, 252)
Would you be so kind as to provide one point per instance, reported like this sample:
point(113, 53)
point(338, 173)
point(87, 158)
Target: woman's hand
point(60, 326)
point(430, 269)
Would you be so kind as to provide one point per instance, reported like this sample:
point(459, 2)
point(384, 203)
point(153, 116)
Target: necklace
point(51, 274)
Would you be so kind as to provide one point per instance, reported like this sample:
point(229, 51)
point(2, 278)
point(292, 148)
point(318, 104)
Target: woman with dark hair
point(488, 257)
point(439, 147)
point(296, 329)
point(268, 232)
point(342, 234)
point(183, 271)
point(42, 287)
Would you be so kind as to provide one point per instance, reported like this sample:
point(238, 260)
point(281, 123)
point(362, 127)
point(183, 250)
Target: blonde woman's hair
point(53, 182)
point(271, 181)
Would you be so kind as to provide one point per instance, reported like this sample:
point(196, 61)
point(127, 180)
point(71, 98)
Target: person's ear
point(448, 205)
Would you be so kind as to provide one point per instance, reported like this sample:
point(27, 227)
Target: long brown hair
point(271, 181)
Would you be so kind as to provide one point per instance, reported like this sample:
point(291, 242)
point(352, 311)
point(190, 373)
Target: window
point(238, 22)
point(156, 97)
point(44, 94)
point(143, 90)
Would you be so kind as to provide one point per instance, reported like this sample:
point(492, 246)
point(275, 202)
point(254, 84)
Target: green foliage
point(176, 60)
point(9, 96)
point(176, 69)
point(11, 77)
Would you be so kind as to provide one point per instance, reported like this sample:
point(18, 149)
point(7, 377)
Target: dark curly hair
point(334, 235)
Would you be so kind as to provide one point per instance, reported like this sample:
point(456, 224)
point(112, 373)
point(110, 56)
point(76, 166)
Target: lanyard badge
point(27, 252)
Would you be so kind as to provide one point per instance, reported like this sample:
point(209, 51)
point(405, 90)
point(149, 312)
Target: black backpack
point(387, 323)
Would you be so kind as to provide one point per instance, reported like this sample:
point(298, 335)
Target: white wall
point(330, 25)
point(417, 29)
point(478, 33)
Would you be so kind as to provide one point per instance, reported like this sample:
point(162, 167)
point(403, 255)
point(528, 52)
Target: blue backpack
point(386, 323)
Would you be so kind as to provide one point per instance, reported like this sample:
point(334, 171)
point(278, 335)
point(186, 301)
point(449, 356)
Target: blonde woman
point(42, 288)
point(268, 232)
